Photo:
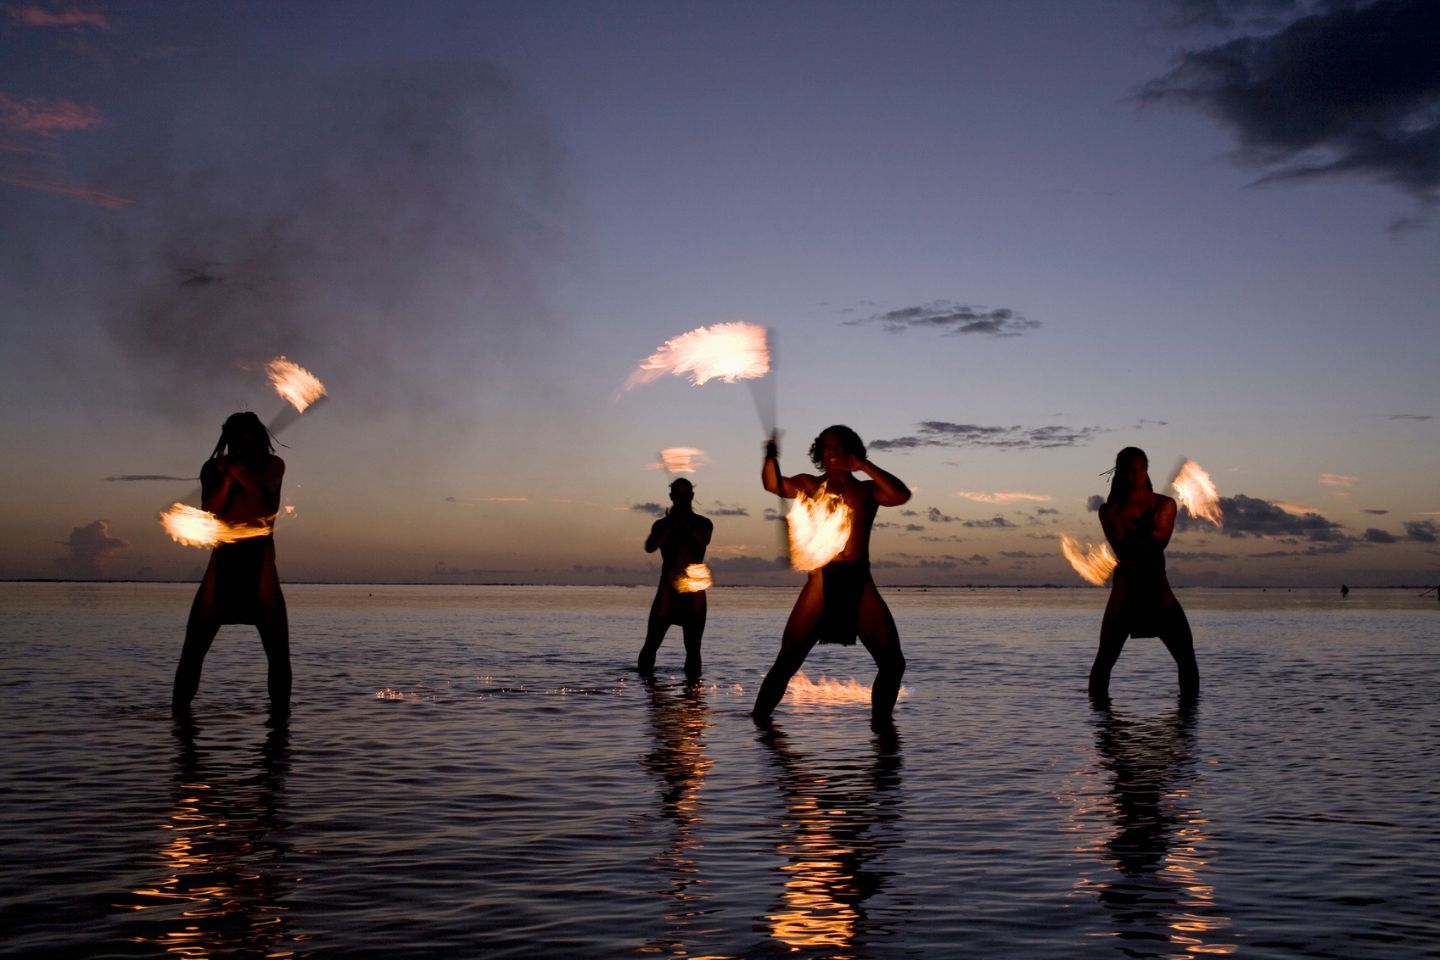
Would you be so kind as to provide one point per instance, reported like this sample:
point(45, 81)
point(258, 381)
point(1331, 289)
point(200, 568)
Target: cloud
point(99, 198)
point(1421, 417)
point(1023, 555)
point(748, 564)
point(132, 477)
point(993, 522)
point(652, 508)
point(1424, 531)
point(44, 118)
point(1341, 88)
point(1376, 535)
point(936, 516)
point(726, 510)
point(953, 319)
point(504, 499)
point(941, 433)
point(90, 547)
point(1002, 496)
point(1251, 516)
point(1338, 480)
point(1196, 555)
point(1378, 513)
point(39, 17)
point(1094, 503)
point(1294, 508)
point(914, 527)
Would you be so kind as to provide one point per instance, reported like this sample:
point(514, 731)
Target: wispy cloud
point(1333, 89)
point(1337, 481)
point(503, 499)
point(952, 319)
point(44, 118)
point(941, 433)
point(1294, 509)
point(993, 522)
point(1421, 417)
point(726, 510)
point(1013, 496)
point(132, 477)
point(38, 17)
point(99, 198)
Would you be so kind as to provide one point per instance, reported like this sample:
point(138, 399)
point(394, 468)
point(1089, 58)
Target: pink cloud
point(45, 118)
point(39, 17)
point(107, 200)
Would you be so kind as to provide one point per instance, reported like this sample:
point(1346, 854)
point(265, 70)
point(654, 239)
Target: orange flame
point(825, 690)
point(293, 382)
point(681, 459)
point(1196, 492)
point(819, 529)
point(724, 351)
point(193, 527)
point(697, 577)
point(1095, 564)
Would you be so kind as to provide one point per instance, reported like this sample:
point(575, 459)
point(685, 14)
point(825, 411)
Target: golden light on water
point(298, 386)
point(193, 527)
point(697, 577)
point(724, 351)
point(1196, 492)
point(681, 459)
point(1095, 564)
point(819, 529)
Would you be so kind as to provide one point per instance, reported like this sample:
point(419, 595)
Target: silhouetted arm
point(1164, 521)
point(890, 491)
point(658, 532)
point(770, 476)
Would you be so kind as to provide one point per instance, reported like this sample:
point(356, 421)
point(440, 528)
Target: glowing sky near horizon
point(1000, 241)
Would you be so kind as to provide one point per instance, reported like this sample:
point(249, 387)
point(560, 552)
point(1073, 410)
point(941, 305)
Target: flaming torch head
point(819, 529)
point(193, 527)
point(723, 351)
point(298, 386)
point(1095, 564)
point(696, 578)
point(1196, 492)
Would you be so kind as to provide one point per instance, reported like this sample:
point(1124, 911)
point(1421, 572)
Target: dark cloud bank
point(1320, 89)
point(952, 319)
point(941, 433)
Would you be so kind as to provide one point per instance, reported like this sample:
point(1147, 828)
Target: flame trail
point(193, 527)
point(1196, 492)
point(697, 577)
point(298, 386)
point(825, 690)
point(728, 352)
point(819, 529)
point(1095, 564)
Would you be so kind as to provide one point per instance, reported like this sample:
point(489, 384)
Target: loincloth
point(676, 608)
point(844, 583)
point(1144, 609)
point(236, 575)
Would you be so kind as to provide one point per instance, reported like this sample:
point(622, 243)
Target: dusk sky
point(1001, 240)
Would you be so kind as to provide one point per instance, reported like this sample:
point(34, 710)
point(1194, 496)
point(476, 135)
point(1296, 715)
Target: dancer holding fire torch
point(240, 485)
point(1138, 523)
point(839, 600)
point(681, 536)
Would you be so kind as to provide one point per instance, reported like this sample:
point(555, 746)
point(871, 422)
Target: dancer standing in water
point(839, 601)
point(1138, 522)
point(240, 485)
point(681, 536)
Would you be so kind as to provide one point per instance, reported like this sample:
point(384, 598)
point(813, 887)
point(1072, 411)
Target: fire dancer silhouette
point(240, 484)
point(681, 536)
point(1138, 523)
point(839, 600)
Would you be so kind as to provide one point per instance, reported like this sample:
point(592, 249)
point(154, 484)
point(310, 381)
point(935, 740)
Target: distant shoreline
point(734, 586)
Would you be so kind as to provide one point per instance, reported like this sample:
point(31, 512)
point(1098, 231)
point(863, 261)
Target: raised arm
point(770, 475)
point(890, 491)
point(1164, 521)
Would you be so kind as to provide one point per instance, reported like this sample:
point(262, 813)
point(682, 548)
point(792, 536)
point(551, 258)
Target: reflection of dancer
point(1138, 523)
point(681, 536)
point(680, 764)
point(839, 600)
point(240, 484)
point(223, 868)
point(836, 828)
point(1161, 899)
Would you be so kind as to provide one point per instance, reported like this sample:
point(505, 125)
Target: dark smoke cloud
point(952, 319)
point(1323, 89)
point(89, 547)
point(388, 227)
point(941, 433)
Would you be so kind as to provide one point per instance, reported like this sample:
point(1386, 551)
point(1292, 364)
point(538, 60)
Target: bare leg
point(795, 646)
point(1181, 644)
point(694, 630)
point(274, 626)
point(654, 631)
point(1113, 632)
point(199, 634)
point(878, 633)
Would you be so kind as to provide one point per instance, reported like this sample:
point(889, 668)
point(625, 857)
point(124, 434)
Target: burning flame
point(804, 690)
point(681, 459)
point(1095, 564)
point(697, 577)
point(819, 529)
point(193, 527)
point(724, 351)
point(1196, 492)
point(293, 382)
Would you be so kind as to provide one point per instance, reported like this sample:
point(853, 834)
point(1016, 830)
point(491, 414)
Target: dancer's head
point(244, 437)
point(1131, 471)
point(682, 492)
point(842, 440)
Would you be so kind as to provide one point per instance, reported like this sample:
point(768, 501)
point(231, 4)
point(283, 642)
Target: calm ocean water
point(476, 772)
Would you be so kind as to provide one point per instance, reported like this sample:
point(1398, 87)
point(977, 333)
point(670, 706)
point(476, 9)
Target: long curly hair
point(850, 442)
point(245, 438)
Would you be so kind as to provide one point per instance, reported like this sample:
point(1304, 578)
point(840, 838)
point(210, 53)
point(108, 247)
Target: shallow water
point(474, 771)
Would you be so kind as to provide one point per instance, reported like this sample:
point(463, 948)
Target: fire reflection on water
point(1150, 829)
point(221, 874)
point(678, 720)
point(836, 829)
